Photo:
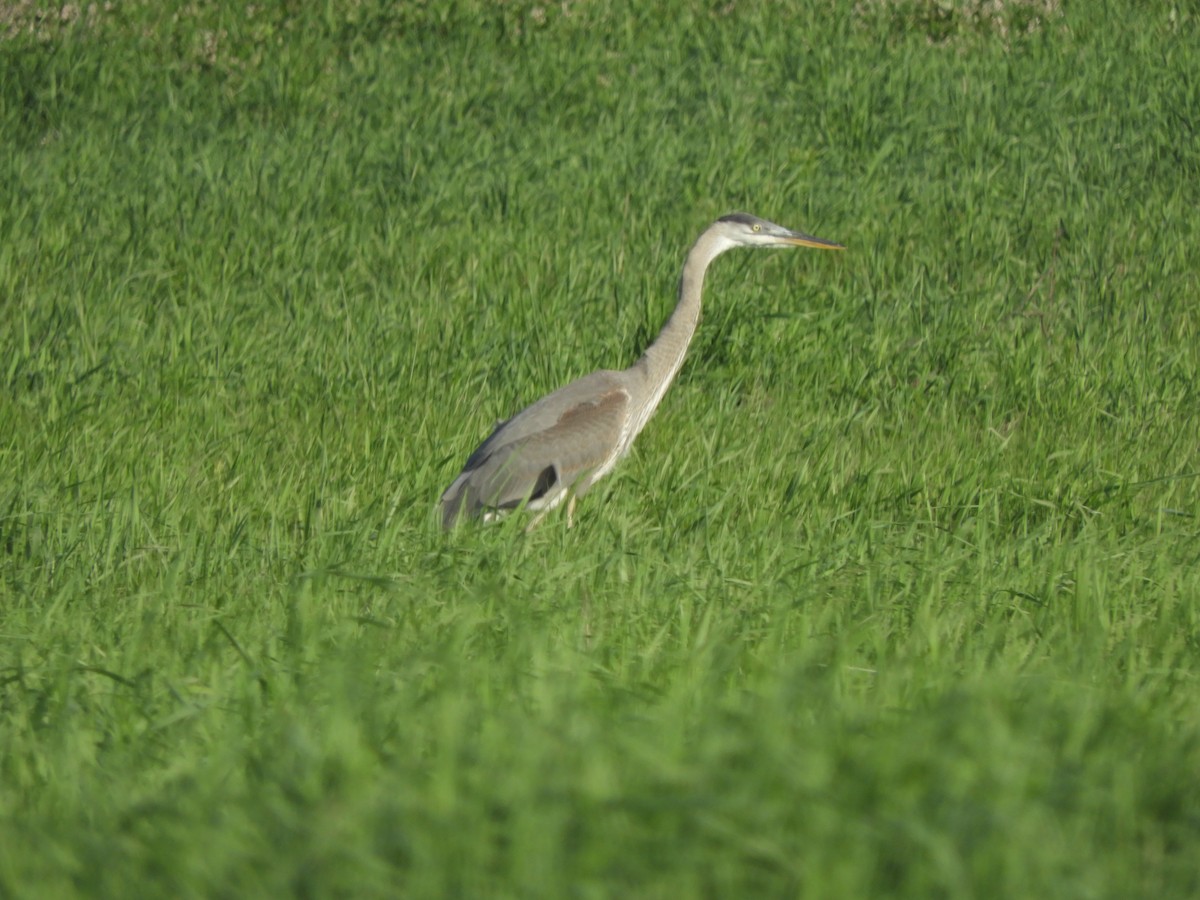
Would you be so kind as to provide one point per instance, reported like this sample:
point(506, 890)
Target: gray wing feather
point(551, 443)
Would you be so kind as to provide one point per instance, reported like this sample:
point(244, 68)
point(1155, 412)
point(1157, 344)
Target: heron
point(559, 446)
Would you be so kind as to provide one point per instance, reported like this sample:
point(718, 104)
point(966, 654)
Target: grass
point(896, 596)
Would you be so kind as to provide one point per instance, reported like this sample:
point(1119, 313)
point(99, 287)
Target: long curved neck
point(663, 358)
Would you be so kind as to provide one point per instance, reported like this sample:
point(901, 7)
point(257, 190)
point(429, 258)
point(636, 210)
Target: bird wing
point(546, 447)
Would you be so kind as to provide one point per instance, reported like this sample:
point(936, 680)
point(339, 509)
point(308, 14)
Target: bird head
point(744, 230)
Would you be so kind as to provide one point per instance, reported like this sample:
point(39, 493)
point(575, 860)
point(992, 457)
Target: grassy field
point(898, 594)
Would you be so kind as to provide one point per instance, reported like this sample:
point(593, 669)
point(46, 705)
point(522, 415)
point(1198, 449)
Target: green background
point(897, 595)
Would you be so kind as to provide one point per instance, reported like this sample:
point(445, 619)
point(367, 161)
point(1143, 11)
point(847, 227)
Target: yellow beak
point(800, 239)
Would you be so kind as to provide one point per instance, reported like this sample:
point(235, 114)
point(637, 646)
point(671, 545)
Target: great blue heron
point(564, 443)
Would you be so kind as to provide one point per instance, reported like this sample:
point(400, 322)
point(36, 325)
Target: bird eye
point(756, 227)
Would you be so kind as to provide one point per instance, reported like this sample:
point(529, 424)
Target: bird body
point(563, 443)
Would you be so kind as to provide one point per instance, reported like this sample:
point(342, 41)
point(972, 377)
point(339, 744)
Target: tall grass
point(897, 595)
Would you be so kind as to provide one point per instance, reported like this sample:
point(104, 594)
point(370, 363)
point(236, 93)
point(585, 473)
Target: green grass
point(898, 594)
